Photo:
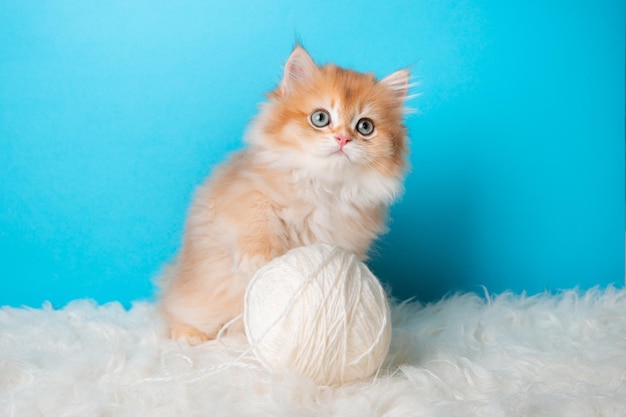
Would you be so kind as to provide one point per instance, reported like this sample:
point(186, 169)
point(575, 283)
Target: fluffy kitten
point(326, 157)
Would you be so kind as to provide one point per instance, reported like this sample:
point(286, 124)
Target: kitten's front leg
point(252, 253)
point(258, 232)
point(222, 251)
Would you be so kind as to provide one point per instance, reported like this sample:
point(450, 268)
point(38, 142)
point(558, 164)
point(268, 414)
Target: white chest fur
point(320, 215)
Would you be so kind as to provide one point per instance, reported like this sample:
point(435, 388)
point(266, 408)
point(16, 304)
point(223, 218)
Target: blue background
point(112, 112)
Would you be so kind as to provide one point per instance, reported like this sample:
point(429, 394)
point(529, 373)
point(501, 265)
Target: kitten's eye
point(365, 126)
point(320, 118)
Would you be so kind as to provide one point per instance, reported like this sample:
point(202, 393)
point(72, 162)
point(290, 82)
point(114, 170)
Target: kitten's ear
point(398, 83)
point(298, 69)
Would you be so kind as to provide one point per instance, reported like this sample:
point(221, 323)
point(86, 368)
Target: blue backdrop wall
point(112, 112)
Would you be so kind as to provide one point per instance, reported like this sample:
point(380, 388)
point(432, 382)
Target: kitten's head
point(333, 121)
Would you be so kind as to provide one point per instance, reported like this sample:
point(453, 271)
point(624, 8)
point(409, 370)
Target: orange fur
point(293, 185)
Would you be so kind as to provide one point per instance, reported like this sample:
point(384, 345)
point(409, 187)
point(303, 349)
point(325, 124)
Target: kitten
point(326, 156)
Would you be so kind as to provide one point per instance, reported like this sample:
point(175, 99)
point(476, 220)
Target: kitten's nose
point(343, 139)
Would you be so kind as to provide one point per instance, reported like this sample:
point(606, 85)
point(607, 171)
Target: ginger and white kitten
point(326, 156)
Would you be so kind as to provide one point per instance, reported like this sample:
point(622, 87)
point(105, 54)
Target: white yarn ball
point(320, 312)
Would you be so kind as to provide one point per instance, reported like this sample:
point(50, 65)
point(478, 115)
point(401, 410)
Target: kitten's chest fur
point(330, 220)
point(262, 204)
point(314, 210)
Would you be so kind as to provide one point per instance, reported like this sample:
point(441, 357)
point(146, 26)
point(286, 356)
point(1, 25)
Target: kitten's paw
point(248, 265)
point(188, 334)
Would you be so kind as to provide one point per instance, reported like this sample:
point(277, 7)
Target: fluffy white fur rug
point(509, 355)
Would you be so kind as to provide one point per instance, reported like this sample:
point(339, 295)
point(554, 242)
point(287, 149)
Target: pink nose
point(343, 139)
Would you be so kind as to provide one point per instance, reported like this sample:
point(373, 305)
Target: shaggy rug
point(505, 355)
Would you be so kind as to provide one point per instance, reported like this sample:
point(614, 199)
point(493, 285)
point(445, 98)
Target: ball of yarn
point(320, 312)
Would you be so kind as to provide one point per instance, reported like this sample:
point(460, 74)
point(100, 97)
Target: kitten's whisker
point(373, 161)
